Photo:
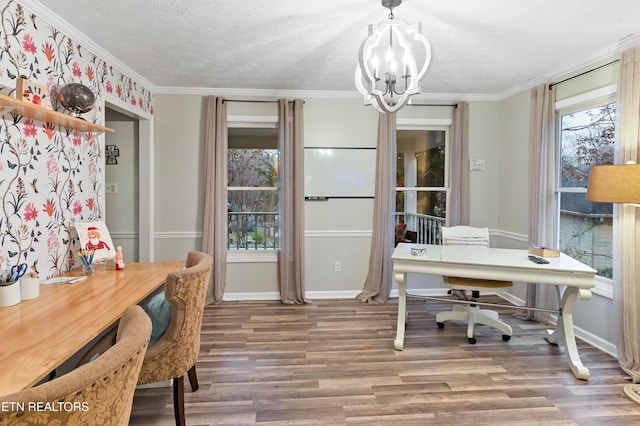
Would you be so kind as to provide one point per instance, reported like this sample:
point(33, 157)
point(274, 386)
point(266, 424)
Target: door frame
point(145, 175)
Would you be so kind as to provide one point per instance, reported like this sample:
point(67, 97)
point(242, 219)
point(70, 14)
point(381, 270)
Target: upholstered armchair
point(97, 393)
point(176, 352)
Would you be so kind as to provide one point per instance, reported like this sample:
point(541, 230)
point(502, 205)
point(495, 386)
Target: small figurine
point(119, 259)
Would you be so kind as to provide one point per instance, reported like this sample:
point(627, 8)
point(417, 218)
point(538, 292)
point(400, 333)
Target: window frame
point(261, 122)
point(443, 125)
point(590, 99)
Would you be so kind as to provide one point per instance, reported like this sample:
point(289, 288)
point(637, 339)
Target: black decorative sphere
point(77, 98)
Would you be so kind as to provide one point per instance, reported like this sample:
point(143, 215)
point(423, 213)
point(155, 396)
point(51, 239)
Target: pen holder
point(29, 288)
point(87, 268)
point(9, 293)
point(86, 257)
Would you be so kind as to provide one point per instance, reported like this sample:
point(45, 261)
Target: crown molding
point(76, 35)
point(454, 97)
point(317, 94)
point(604, 54)
point(268, 93)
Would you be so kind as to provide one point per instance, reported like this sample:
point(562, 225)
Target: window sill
point(603, 287)
point(252, 256)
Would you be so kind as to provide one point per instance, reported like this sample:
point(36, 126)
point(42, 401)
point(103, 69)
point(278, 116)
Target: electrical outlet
point(338, 266)
point(111, 188)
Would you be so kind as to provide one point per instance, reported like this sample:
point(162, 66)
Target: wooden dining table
point(38, 335)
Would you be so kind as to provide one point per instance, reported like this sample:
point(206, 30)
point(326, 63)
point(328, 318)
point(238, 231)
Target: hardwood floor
point(333, 363)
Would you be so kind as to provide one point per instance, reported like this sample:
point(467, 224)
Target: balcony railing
point(252, 231)
point(259, 230)
point(428, 228)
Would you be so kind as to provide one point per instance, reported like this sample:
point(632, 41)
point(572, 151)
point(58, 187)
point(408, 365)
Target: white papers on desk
point(62, 280)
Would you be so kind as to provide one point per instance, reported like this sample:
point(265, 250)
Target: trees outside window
point(252, 198)
point(587, 137)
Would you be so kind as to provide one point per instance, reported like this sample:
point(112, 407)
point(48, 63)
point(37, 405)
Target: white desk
point(500, 264)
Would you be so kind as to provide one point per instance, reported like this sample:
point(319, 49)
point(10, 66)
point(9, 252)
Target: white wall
point(337, 230)
point(594, 319)
point(179, 131)
point(513, 183)
point(484, 143)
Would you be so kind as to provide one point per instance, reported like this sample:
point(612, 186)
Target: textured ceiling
point(481, 47)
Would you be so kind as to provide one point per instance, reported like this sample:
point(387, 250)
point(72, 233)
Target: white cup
point(29, 288)
point(10, 294)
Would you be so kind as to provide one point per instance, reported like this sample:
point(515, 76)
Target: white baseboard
point(234, 297)
point(336, 294)
point(597, 342)
point(341, 294)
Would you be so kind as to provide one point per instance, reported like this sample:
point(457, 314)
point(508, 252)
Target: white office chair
point(467, 235)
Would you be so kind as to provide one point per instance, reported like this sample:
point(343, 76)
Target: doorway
point(122, 193)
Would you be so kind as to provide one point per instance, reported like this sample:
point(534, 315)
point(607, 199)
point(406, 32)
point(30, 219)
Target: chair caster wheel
point(472, 340)
point(440, 324)
point(506, 337)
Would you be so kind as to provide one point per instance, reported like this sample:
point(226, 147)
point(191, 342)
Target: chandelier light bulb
point(375, 63)
point(405, 63)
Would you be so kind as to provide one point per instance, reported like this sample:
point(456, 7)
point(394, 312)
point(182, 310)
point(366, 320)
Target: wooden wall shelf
point(27, 109)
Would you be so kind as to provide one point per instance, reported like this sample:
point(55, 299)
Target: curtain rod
point(429, 105)
point(275, 101)
point(583, 73)
point(435, 105)
point(249, 100)
point(255, 100)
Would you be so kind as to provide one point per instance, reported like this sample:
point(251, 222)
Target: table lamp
point(619, 183)
point(614, 183)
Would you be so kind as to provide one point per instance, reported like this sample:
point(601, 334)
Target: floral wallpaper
point(50, 176)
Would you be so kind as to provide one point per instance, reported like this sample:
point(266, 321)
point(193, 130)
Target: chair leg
point(491, 319)
point(193, 378)
point(178, 400)
point(473, 310)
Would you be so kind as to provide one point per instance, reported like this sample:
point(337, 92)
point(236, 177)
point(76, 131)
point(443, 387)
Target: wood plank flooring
point(332, 362)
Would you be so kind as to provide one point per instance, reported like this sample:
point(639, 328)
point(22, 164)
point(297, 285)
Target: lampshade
point(619, 183)
point(393, 59)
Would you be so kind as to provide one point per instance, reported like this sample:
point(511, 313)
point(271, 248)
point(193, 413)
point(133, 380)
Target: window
point(252, 198)
point(421, 182)
point(587, 137)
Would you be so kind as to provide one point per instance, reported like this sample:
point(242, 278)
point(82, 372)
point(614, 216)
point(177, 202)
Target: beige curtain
point(626, 293)
point(458, 211)
point(291, 200)
point(214, 230)
point(543, 164)
point(378, 283)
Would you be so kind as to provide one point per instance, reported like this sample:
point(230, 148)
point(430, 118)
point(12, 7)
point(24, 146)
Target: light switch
point(478, 165)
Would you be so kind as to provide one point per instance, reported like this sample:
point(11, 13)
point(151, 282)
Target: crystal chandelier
point(387, 73)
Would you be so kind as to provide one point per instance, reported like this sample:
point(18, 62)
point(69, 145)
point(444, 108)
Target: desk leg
point(401, 279)
point(564, 330)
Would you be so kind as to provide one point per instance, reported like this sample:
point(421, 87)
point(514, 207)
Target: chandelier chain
point(391, 4)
